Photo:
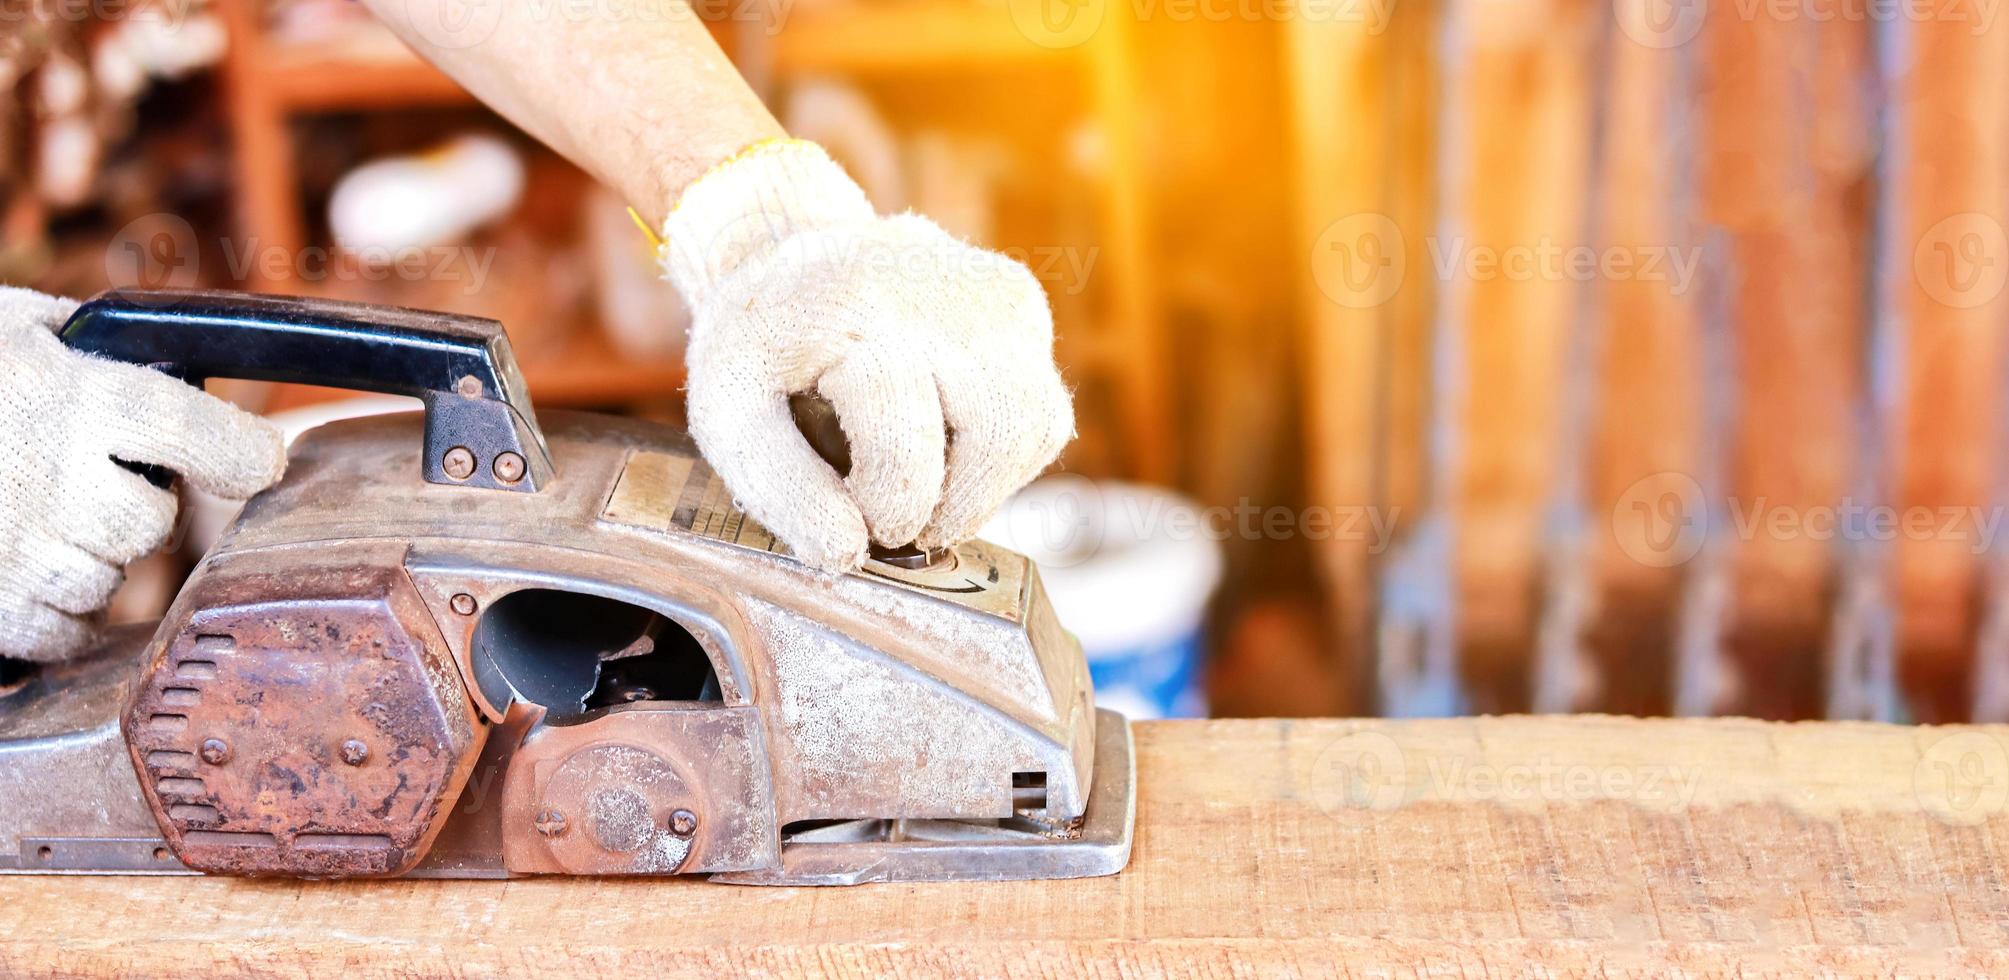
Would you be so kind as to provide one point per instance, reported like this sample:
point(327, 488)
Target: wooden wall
point(1721, 431)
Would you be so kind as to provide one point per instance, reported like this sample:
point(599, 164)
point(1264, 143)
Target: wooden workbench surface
point(1496, 846)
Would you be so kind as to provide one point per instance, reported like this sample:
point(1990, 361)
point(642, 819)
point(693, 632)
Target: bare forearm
point(644, 104)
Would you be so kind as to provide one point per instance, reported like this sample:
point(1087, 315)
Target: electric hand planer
point(470, 643)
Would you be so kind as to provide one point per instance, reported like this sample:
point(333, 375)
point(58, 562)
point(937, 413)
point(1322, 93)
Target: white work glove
point(71, 518)
point(937, 356)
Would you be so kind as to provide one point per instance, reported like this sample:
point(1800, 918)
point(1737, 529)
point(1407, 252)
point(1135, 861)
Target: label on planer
point(658, 490)
point(665, 492)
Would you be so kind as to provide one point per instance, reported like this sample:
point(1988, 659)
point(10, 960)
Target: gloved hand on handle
point(937, 356)
point(71, 518)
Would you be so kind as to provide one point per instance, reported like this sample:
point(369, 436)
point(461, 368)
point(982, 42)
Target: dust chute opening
point(574, 653)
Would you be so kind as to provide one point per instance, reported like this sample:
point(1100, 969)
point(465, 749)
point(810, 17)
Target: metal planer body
point(388, 667)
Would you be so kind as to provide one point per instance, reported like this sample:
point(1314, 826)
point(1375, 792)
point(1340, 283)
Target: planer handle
point(480, 428)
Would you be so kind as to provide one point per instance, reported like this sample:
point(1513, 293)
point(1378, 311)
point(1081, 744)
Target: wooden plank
point(1646, 446)
point(268, 208)
point(1519, 170)
point(1945, 268)
point(1775, 180)
point(1135, 318)
point(1510, 846)
point(1344, 150)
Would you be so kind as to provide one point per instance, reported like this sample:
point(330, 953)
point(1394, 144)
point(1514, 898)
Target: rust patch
point(643, 791)
point(302, 721)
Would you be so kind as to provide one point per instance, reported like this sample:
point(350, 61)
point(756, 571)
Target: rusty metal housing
point(619, 673)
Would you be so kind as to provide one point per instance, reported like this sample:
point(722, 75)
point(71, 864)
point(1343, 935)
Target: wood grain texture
point(1647, 437)
point(1499, 847)
point(1776, 175)
point(1947, 252)
point(1520, 170)
point(1343, 139)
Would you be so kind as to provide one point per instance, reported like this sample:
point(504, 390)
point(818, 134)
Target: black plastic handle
point(480, 428)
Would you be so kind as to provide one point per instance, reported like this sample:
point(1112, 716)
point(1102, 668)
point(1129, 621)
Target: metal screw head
point(458, 463)
point(509, 467)
point(463, 604)
point(683, 823)
point(550, 822)
point(469, 386)
point(215, 751)
point(354, 752)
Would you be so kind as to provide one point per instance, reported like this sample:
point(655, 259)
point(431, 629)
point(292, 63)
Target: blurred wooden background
point(1620, 490)
point(1612, 309)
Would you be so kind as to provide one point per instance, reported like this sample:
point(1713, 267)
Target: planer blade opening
point(573, 654)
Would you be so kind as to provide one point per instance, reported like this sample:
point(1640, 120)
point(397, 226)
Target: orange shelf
point(594, 374)
point(905, 35)
point(590, 375)
point(314, 79)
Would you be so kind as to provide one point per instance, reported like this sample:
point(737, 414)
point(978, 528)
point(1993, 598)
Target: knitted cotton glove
point(71, 518)
point(937, 356)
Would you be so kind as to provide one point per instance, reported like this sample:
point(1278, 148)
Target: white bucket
point(1128, 577)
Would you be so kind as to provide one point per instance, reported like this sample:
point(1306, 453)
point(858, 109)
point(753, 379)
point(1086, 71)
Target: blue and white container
point(1130, 571)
